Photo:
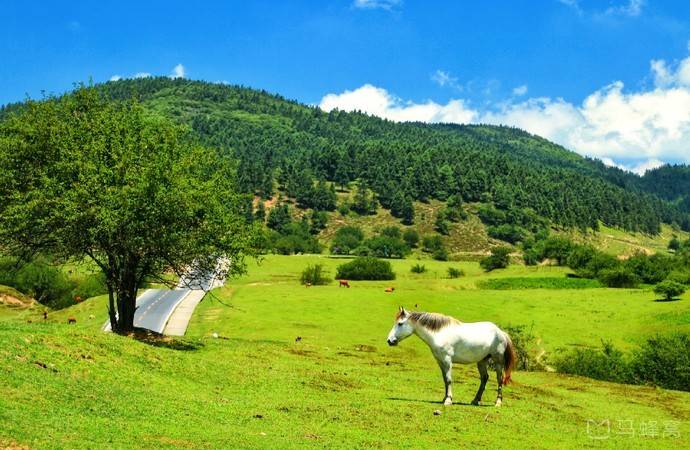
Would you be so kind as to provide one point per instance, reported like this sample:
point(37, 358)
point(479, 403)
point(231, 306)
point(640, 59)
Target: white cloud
point(376, 4)
point(142, 75)
point(633, 130)
point(633, 8)
point(178, 71)
point(115, 78)
point(629, 8)
point(378, 102)
point(520, 90)
point(443, 78)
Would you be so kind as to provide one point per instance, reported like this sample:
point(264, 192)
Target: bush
point(432, 243)
point(314, 275)
point(454, 272)
point(387, 247)
point(607, 364)
point(650, 269)
point(669, 289)
point(531, 257)
point(599, 262)
point(557, 248)
point(440, 254)
point(393, 232)
point(346, 239)
point(619, 277)
point(529, 356)
point(411, 238)
point(365, 268)
point(663, 361)
point(499, 259)
point(418, 268)
point(681, 276)
point(45, 283)
point(507, 232)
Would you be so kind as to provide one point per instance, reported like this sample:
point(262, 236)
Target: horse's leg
point(446, 366)
point(483, 377)
point(499, 378)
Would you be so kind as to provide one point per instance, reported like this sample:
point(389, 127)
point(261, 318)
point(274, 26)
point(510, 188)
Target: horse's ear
point(403, 311)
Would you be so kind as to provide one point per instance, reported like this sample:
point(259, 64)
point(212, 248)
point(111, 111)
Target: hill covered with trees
point(522, 182)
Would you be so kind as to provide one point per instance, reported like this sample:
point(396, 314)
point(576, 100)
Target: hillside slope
point(280, 142)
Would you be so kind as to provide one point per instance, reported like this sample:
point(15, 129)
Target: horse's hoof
point(498, 403)
point(448, 402)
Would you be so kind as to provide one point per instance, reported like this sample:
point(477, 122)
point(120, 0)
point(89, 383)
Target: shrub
point(531, 257)
point(557, 248)
point(619, 277)
point(663, 361)
point(454, 272)
point(418, 268)
point(411, 238)
point(440, 254)
point(529, 356)
point(387, 247)
point(44, 282)
point(650, 269)
point(499, 259)
point(580, 256)
point(314, 274)
point(681, 276)
point(607, 364)
point(674, 244)
point(365, 268)
point(346, 239)
point(431, 243)
point(507, 232)
point(393, 232)
point(362, 250)
point(510, 283)
point(669, 289)
point(599, 262)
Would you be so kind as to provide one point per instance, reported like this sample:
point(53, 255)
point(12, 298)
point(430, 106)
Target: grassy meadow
point(300, 367)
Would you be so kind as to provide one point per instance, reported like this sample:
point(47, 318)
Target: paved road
point(155, 306)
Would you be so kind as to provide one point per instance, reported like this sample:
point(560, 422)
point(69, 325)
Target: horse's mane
point(433, 321)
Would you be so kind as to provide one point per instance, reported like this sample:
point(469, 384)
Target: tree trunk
point(127, 298)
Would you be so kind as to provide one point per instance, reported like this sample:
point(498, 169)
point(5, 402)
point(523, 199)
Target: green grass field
point(339, 385)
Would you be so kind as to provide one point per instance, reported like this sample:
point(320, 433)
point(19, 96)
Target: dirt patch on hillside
point(14, 298)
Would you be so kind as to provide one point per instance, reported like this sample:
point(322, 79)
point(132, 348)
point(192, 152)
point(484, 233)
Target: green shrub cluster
point(365, 268)
point(454, 272)
point(314, 275)
point(662, 360)
point(418, 268)
point(499, 259)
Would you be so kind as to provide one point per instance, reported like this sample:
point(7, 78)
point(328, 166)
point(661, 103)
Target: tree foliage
point(81, 177)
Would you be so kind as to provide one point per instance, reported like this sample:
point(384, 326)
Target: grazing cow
point(307, 285)
point(71, 320)
point(45, 315)
point(344, 283)
point(390, 289)
point(77, 299)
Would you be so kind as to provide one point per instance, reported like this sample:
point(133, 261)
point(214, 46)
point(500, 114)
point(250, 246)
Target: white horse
point(452, 341)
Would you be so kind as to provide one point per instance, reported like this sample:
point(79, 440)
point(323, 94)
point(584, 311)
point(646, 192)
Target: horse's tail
point(509, 359)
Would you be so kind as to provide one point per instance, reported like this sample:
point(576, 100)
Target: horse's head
point(402, 327)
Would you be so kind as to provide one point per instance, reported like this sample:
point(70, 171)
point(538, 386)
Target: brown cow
point(344, 283)
point(71, 320)
point(390, 289)
point(77, 299)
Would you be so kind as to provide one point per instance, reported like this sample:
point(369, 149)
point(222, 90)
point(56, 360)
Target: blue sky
point(604, 78)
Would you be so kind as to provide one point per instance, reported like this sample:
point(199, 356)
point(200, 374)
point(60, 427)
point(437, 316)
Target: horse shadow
point(433, 402)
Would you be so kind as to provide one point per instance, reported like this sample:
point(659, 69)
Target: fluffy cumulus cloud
point(379, 102)
point(178, 71)
point(632, 130)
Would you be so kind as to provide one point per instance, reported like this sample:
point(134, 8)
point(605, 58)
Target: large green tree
point(85, 178)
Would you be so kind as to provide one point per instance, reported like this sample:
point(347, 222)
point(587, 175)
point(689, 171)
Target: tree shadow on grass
point(154, 339)
point(432, 402)
point(666, 300)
